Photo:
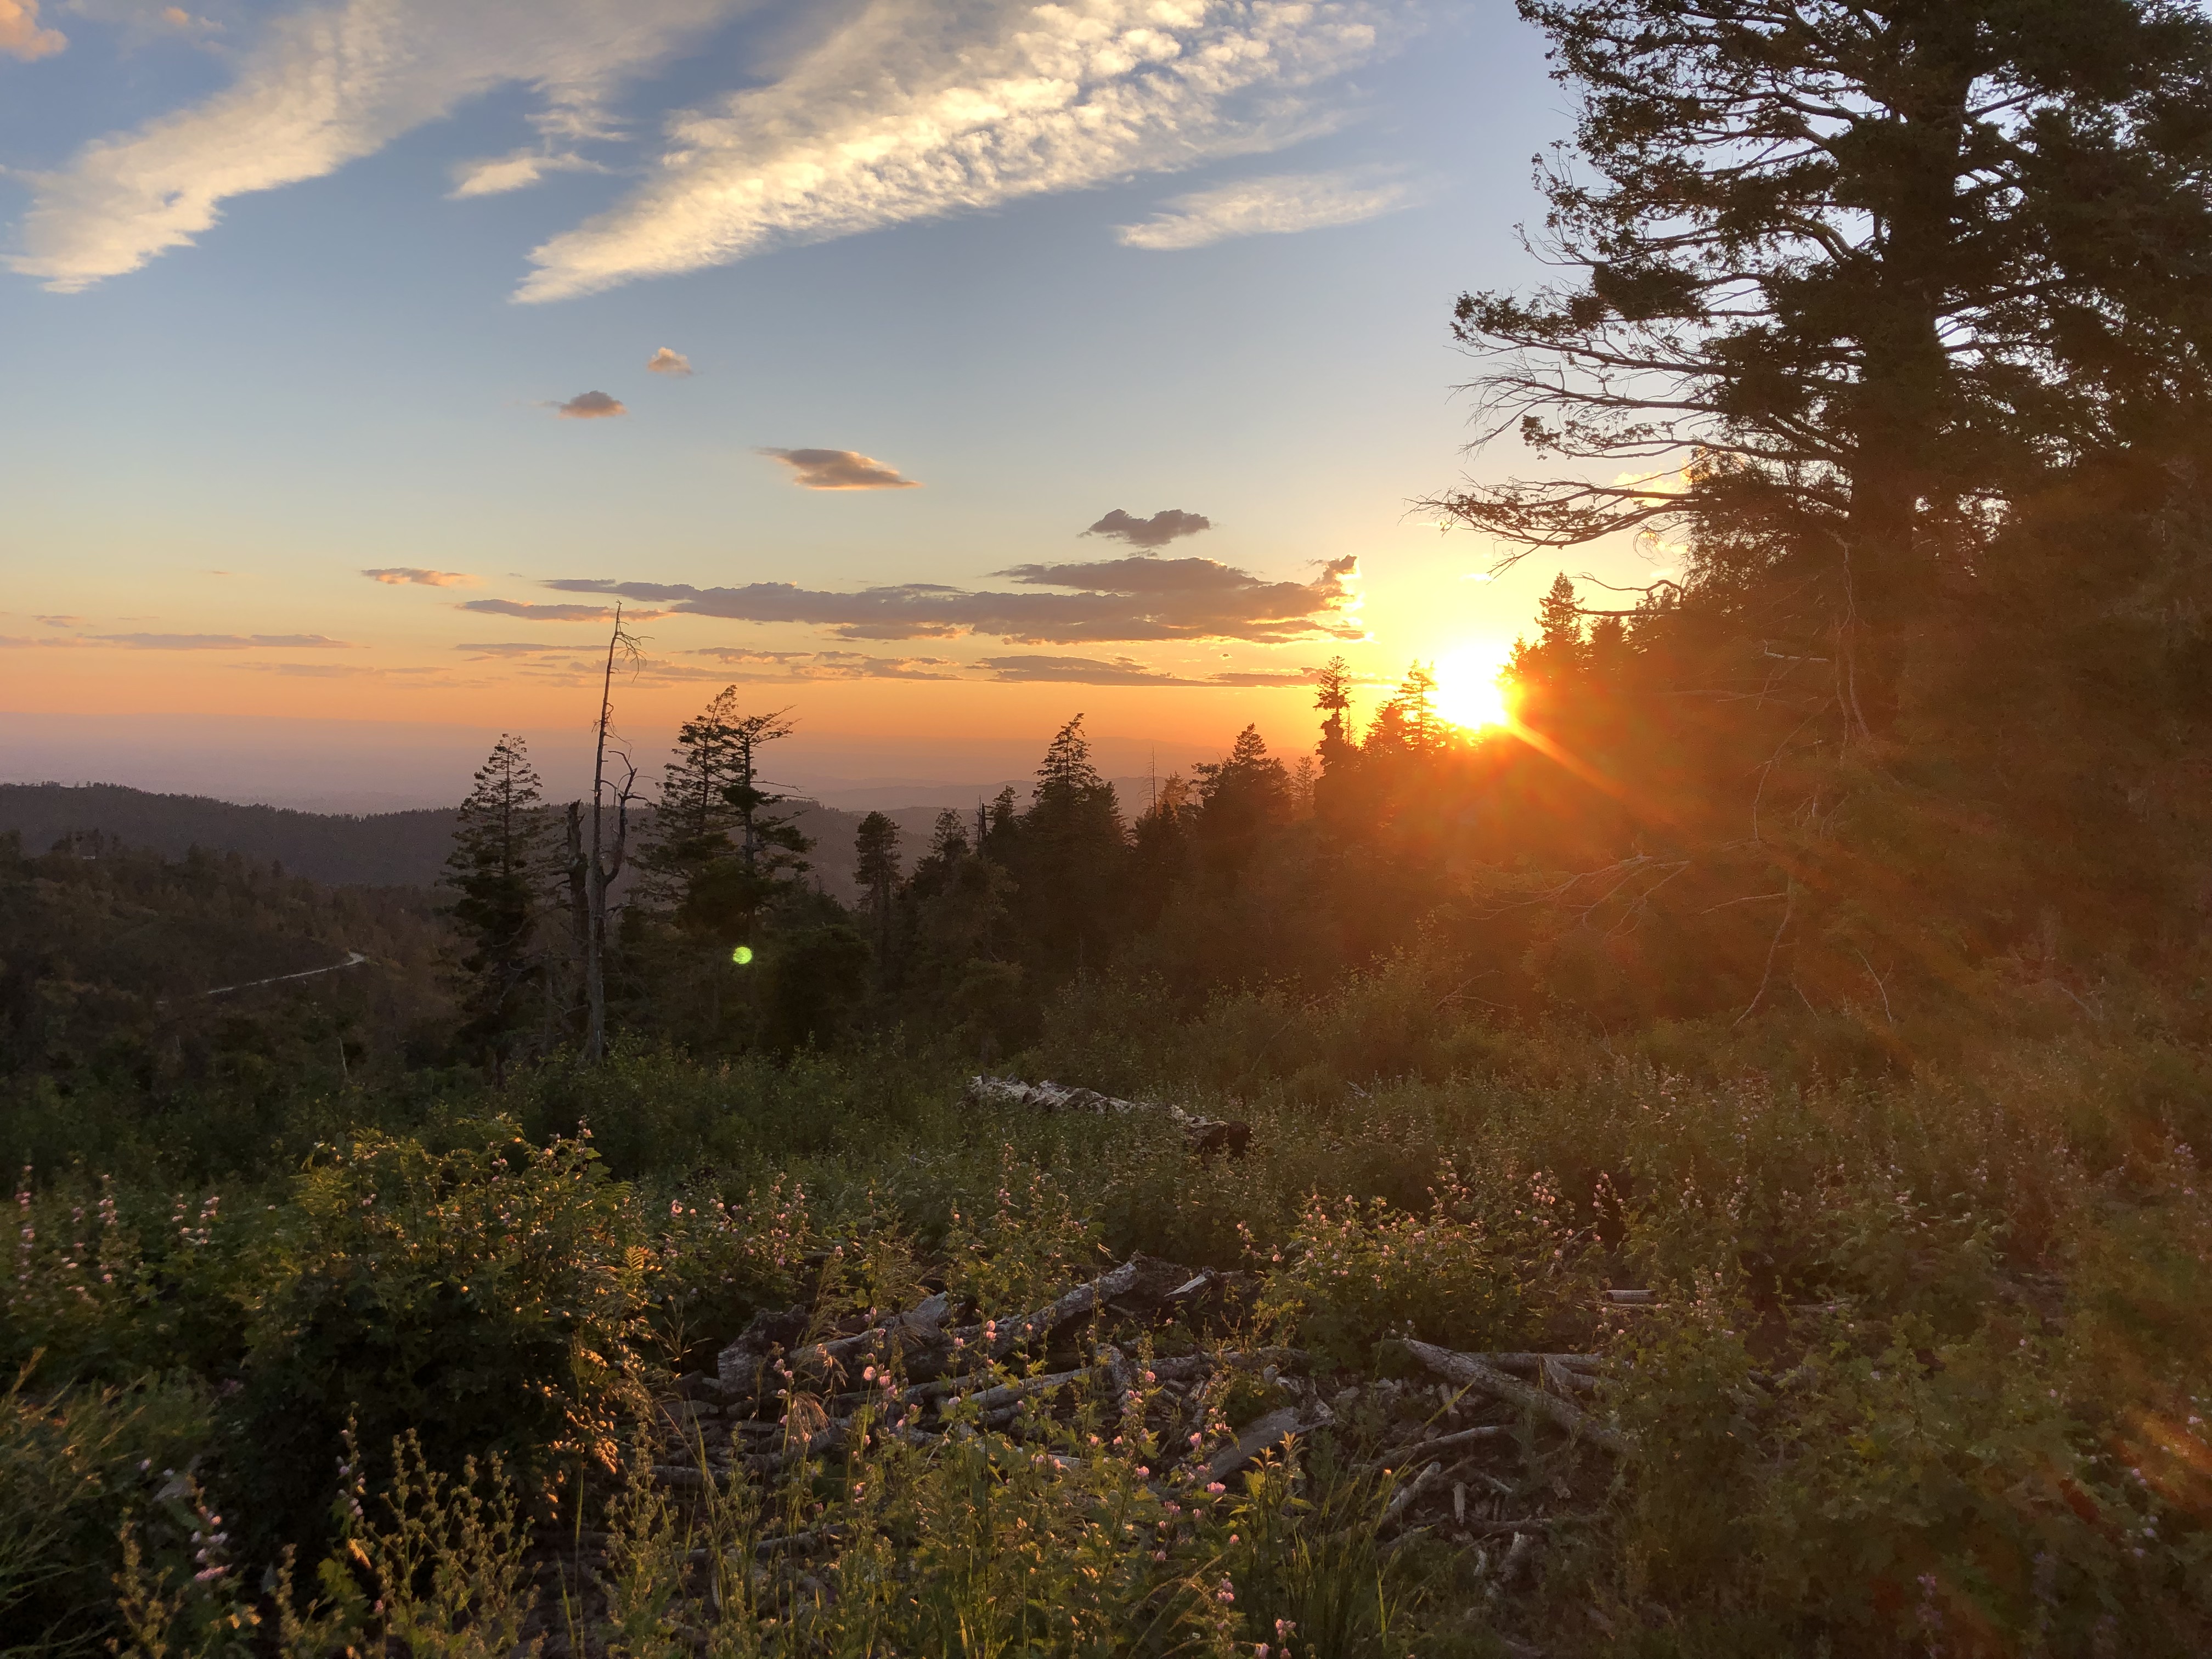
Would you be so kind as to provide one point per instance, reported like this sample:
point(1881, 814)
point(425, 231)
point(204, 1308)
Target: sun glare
point(1469, 693)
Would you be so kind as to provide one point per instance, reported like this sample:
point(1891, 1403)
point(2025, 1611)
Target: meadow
point(1921, 1368)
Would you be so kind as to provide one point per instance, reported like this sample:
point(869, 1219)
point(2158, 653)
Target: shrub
point(488, 1296)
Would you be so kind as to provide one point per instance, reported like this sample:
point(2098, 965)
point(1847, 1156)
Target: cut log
point(1204, 1135)
point(1470, 1372)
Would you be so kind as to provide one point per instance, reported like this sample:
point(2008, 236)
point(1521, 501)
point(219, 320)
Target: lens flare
point(742, 954)
point(1471, 691)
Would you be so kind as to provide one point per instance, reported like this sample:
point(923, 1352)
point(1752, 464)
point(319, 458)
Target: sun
point(1470, 692)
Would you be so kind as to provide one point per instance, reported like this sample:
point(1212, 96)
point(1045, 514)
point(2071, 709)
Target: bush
point(489, 1296)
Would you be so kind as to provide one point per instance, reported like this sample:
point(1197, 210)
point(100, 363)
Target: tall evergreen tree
point(876, 863)
point(1072, 848)
point(1240, 799)
point(499, 870)
point(1407, 723)
point(692, 820)
point(1854, 277)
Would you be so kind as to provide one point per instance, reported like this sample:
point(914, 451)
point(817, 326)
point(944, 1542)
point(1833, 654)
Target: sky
point(939, 369)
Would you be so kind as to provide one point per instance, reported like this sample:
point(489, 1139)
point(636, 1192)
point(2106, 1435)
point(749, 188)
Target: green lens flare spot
point(742, 954)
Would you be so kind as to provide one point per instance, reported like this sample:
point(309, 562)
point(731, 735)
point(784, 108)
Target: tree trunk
point(1889, 557)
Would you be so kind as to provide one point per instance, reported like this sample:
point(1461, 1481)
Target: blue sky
point(271, 309)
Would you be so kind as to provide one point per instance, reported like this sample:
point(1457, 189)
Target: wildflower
point(1159, 1555)
point(1226, 1593)
point(1215, 1486)
point(869, 1375)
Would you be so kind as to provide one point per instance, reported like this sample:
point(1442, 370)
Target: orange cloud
point(839, 469)
point(21, 35)
point(401, 576)
point(585, 406)
point(667, 360)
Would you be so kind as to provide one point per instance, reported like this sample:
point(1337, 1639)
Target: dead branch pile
point(1207, 1135)
point(1491, 1450)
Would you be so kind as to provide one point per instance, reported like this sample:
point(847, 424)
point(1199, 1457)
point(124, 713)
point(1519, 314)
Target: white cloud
point(669, 360)
point(1271, 206)
point(895, 109)
point(327, 86)
point(495, 175)
point(915, 108)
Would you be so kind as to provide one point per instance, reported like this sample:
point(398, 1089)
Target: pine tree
point(1333, 685)
point(1240, 799)
point(1071, 847)
point(1854, 281)
point(1408, 722)
point(692, 820)
point(949, 849)
point(499, 870)
point(1560, 627)
point(876, 863)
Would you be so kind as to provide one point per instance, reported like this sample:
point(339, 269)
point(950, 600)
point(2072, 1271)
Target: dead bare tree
point(594, 864)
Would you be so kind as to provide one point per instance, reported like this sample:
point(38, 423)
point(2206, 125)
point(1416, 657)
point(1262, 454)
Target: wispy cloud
point(1157, 530)
point(495, 175)
point(1079, 670)
point(1271, 206)
point(554, 613)
point(912, 109)
point(1121, 670)
point(402, 576)
point(590, 406)
point(839, 469)
point(516, 649)
point(227, 642)
point(21, 36)
point(327, 671)
point(765, 666)
point(328, 85)
point(896, 110)
point(668, 360)
point(1132, 598)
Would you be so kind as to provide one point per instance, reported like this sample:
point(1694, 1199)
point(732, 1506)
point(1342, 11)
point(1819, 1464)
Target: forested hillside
point(374, 849)
point(1714, 1163)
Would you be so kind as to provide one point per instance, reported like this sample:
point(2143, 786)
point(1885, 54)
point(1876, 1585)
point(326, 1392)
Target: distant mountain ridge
point(372, 849)
point(377, 849)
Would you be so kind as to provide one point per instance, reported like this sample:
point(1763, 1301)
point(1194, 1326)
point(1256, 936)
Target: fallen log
point(1264, 1434)
point(1468, 1371)
point(1463, 1437)
point(1409, 1494)
point(1204, 1135)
